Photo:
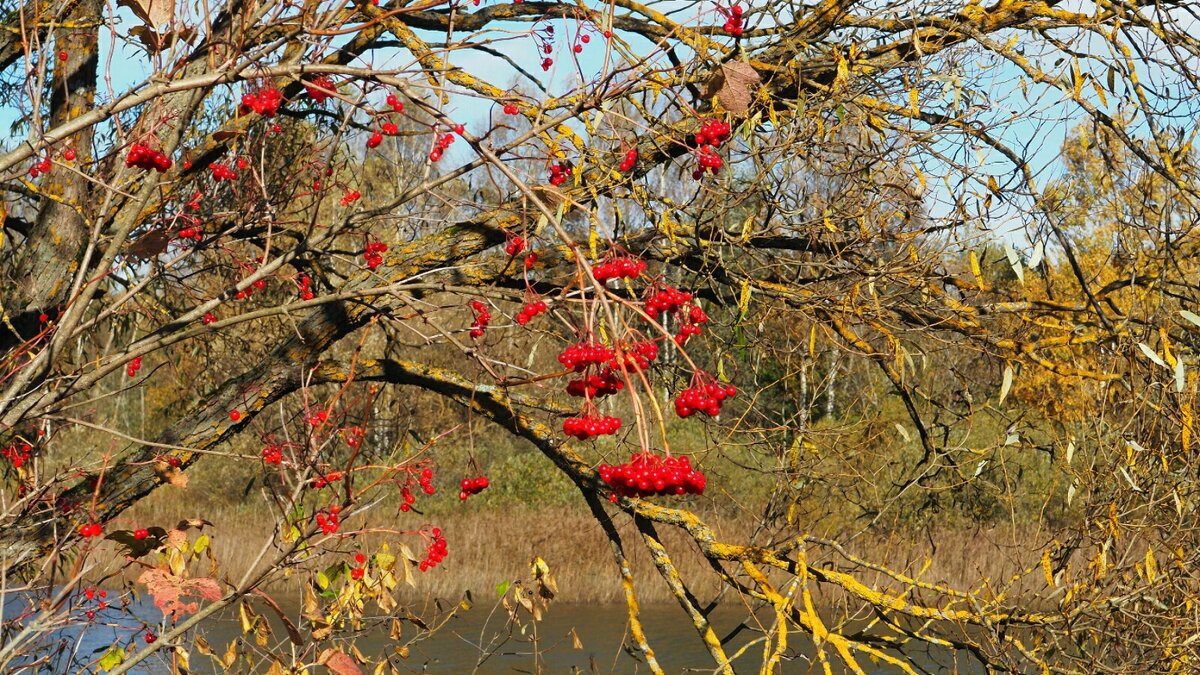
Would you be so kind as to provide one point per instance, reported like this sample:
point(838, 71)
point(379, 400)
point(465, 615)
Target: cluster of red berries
point(692, 320)
point(257, 285)
point(472, 486)
point(618, 268)
point(101, 604)
point(711, 135)
point(305, 286)
point(358, 572)
point(395, 102)
point(272, 453)
point(638, 356)
point(141, 534)
point(733, 20)
point(88, 530)
point(591, 426)
point(374, 254)
point(222, 172)
point(604, 384)
point(426, 482)
point(511, 109)
point(191, 233)
point(665, 300)
point(325, 480)
point(583, 40)
point(18, 454)
point(705, 398)
point(579, 356)
point(442, 144)
point(209, 317)
point(320, 89)
point(145, 158)
point(630, 159)
point(266, 102)
point(40, 167)
point(350, 197)
point(436, 552)
point(647, 474)
point(529, 311)
point(353, 436)
point(329, 524)
point(559, 172)
point(482, 318)
point(515, 244)
point(318, 418)
point(132, 368)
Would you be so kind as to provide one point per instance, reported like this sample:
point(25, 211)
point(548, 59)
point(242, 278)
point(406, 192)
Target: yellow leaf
point(975, 270)
point(1047, 569)
point(914, 100)
point(1151, 566)
point(1076, 77)
point(744, 298)
point(1100, 93)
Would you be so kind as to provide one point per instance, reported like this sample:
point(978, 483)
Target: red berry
point(69, 154)
point(150, 638)
point(235, 415)
point(63, 55)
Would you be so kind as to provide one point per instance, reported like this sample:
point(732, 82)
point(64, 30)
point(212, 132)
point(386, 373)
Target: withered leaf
point(150, 244)
point(171, 475)
point(338, 662)
point(159, 40)
point(155, 13)
point(734, 85)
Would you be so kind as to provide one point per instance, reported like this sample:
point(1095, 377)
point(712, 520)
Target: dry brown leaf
point(338, 662)
point(150, 245)
point(734, 85)
point(155, 13)
point(157, 40)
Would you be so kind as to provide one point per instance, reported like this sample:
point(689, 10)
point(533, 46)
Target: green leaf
point(112, 658)
point(502, 588)
point(322, 580)
point(201, 544)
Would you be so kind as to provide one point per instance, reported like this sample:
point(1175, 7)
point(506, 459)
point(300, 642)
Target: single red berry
point(150, 638)
point(69, 154)
point(63, 55)
point(235, 415)
point(459, 129)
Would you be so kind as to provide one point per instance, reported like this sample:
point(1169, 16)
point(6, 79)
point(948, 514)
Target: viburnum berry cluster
point(134, 365)
point(374, 254)
point(146, 158)
point(91, 594)
point(318, 418)
point(637, 356)
point(733, 20)
point(222, 172)
point(17, 453)
point(472, 486)
point(265, 102)
point(705, 395)
point(482, 318)
point(691, 320)
point(40, 167)
point(329, 523)
point(360, 567)
point(647, 474)
point(396, 104)
point(710, 137)
point(441, 146)
point(436, 552)
point(353, 436)
point(425, 480)
point(605, 383)
point(208, 318)
point(619, 267)
point(350, 197)
point(325, 480)
point(272, 453)
point(141, 534)
point(88, 530)
point(304, 285)
point(630, 160)
point(579, 356)
point(559, 172)
point(320, 89)
point(529, 311)
point(191, 232)
point(590, 424)
point(515, 244)
point(666, 299)
point(511, 108)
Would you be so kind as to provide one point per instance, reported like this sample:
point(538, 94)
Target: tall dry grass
point(490, 545)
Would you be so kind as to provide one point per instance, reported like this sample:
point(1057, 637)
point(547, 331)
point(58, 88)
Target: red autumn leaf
point(169, 591)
